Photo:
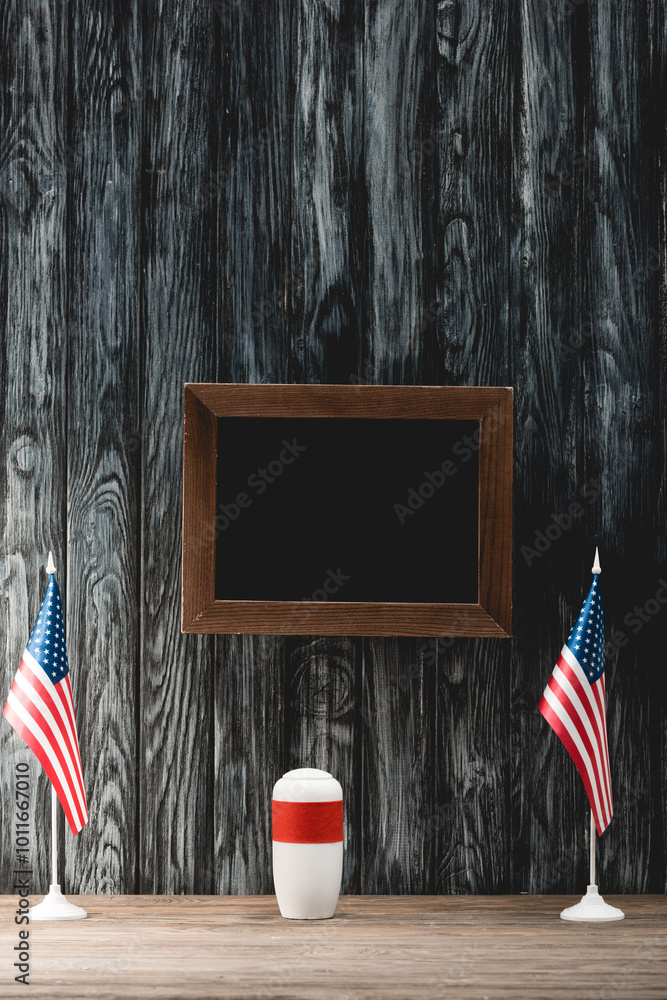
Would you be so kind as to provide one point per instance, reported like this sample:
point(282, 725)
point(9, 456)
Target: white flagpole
point(596, 569)
point(50, 569)
point(592, 905)
point(54, 837)
point(55, 906)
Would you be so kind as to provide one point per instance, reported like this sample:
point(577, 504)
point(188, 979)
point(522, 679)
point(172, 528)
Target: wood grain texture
point(176, 810)
point(658, 877)
point(253, 129)
point(33, 245)
point(326, 242)
point(249, 722)
point(389, 946)
point(474, 127)
point(103, 474)
point(398, 346)
point(322, 681)
point(496, 466)
point(199, 500)
point(345, 618)
point(472, 761)
point(399, 811)
point(249, 187)
point(623, 414)
point(325, 298)
point(549, 817)
point(472, 843)
point(398, 38)
point(416, 402)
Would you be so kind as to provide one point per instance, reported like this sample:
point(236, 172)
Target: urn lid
point(307, 784)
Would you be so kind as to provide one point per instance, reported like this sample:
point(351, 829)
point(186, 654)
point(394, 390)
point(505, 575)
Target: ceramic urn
point(307, 832)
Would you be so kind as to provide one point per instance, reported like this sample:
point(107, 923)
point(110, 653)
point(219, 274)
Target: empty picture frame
point(347, 510)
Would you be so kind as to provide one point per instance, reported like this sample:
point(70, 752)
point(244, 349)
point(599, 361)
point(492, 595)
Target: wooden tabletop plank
point(392, 947)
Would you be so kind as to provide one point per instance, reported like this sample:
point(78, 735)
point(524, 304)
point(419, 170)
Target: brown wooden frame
point(491, 406)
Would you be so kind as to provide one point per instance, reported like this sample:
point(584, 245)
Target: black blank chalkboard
point(343, 509)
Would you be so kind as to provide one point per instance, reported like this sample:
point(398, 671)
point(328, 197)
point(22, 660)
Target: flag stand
point(592, 905)
point(55, 906)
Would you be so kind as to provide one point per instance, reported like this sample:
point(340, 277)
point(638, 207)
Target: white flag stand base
point(56, 907)
point(592, 907)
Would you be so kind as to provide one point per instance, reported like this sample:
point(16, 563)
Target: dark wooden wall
point(385, 191)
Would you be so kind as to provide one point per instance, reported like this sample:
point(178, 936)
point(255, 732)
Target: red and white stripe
point(42, 713)
point(575, 710)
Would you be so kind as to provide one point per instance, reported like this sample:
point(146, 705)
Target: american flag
point(40, 708)
point(573, 704)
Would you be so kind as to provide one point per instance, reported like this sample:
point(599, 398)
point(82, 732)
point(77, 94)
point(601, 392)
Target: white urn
point(307, 831)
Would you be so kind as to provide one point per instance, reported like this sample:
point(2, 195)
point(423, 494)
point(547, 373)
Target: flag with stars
point(41, 710)
point(573, 704)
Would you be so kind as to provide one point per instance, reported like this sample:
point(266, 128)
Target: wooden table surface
point(376, 946)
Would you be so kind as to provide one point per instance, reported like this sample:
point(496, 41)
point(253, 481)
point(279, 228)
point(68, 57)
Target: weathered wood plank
point(398, 346)
point(326, 194)
point(383, 910)
point(251, 198)
point(472, 761)
point(249, 188)
point(103, 449)
point(398, 37)
point(249, 718)
point(33, 352)
point(548, 815)
point(622, 407)
point(400, 815)
point(658, 875)
point(474, 77)
point(324, 295)
point(475, 99)
point(176, 833)
point(322, 683)
point(424, 402)
point(395, 947)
